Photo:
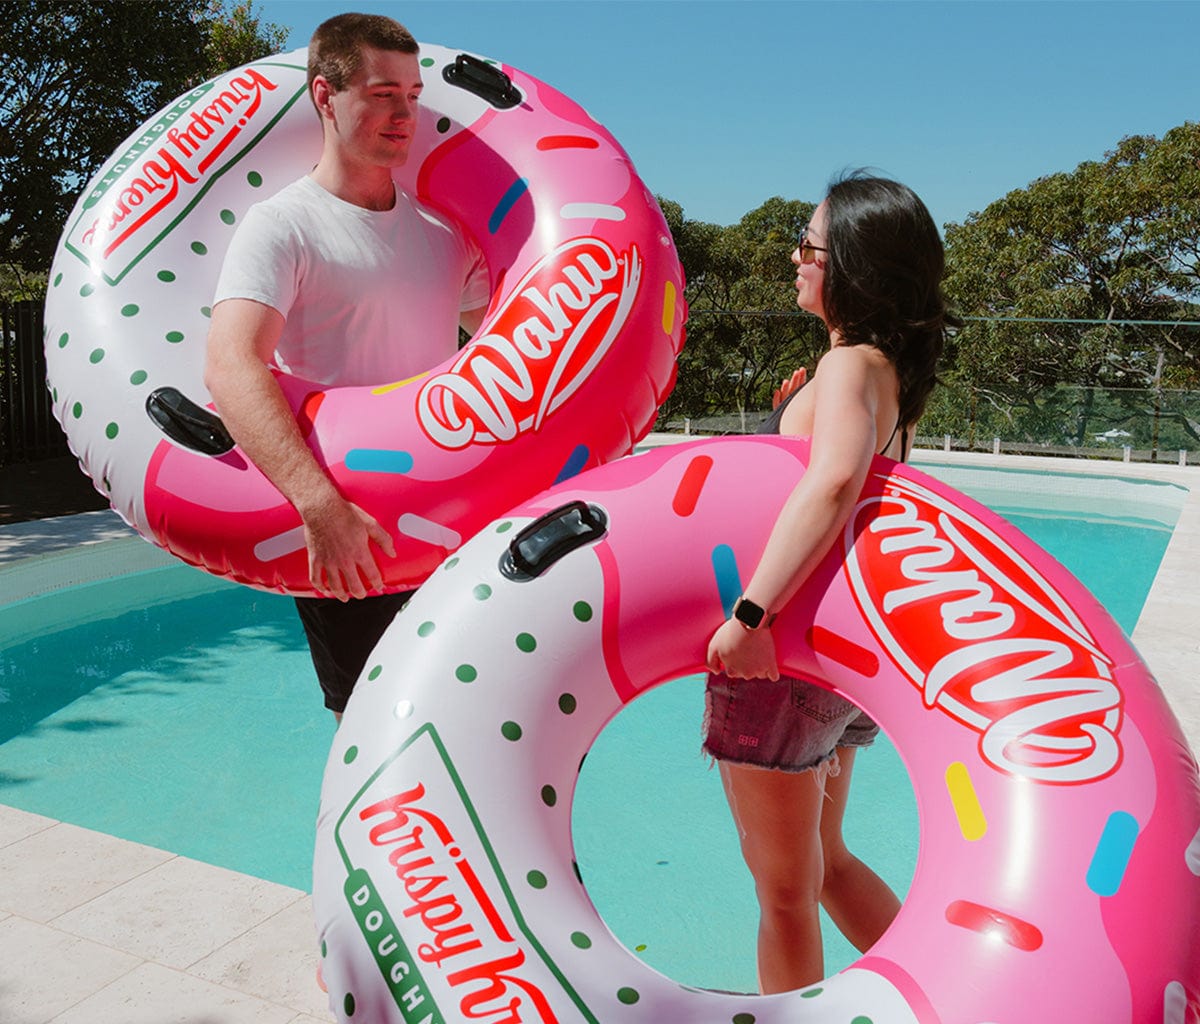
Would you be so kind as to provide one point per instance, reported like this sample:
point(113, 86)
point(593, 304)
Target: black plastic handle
point(551, 537)
point(484, 80)
point(189, 424)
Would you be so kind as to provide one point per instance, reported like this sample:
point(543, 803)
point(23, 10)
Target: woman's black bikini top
point(771, 426)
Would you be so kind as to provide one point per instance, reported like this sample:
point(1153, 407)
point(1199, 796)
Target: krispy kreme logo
point(427, 894)
point(465, 937)
point(984, 636)
point(540, 347)
point(168, 167)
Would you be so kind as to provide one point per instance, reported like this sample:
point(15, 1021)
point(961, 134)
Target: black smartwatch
point(751, 615)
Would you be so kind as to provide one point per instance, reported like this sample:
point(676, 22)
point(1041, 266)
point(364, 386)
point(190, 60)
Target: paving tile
point(179, 912)
point(64, 866)
point(154, 994)
point(44, 972)
point(16, 824)
point(276, 960)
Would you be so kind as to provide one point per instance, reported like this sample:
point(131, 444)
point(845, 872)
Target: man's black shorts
point(341, 635)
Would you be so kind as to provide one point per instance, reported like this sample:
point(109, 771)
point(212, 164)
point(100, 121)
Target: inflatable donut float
point(1059, 805)
point(568, 370)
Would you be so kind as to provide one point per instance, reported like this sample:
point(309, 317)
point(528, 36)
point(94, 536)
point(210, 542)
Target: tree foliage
point(744, 330)
point(1114, 240)
point(78, 77)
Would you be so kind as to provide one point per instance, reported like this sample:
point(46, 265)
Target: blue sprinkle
point(378, 460)
point(729, 581)
point(517, 189)
point(1112, 854)
point(574, 464)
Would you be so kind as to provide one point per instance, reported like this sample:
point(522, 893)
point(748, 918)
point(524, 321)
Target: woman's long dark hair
point(883, 280)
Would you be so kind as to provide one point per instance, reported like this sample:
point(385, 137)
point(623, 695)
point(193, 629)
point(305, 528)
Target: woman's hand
point(793, 383)
point(743, 653)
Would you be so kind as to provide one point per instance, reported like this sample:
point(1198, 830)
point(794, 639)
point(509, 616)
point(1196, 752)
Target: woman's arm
point(846, 395)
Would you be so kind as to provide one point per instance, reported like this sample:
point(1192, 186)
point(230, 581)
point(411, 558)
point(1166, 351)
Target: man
point(343, 279)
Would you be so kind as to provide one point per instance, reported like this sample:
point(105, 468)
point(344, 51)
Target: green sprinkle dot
point(536, 879)
point(174, 337)
point(628, 996)
point(583, 611)
point(374, 673)
point(255, 179)
point(526, 643)
point(426, 62)
point(451, 562)
point(425, 628)
point(567, 703)
point(482, 592)
point(510, 731)
point(324, 949)
point(504, 527)
point(77, 410)
point(640, 948)
point(580, 941)
point(200, 249)
point(166, 276)
point(111, 431)
point(348, 1003)
point(861, 1020)
point(350, 755)
point(138, 377)
point(57, 280)
point(63, 339)
point(743, 1018)
point(129, 309)
point(87, 290)
point(811, 993)
point(206, 311)
point(549, 796)
point(466, 673)
point(96, 356)
point(227, 216)
point(443, 125)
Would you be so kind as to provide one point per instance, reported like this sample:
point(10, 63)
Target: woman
point(870, 265)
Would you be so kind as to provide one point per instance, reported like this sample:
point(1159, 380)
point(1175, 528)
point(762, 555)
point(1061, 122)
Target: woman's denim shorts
point(789, 725)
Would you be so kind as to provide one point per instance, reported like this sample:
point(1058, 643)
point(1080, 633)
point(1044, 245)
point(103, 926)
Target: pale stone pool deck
point(96, 930)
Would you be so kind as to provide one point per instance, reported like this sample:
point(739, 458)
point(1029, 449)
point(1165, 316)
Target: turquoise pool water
point(182, 712)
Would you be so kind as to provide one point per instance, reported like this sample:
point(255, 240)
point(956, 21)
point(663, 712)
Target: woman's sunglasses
point(808, 253)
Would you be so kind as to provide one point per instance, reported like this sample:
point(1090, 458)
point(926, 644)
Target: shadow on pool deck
point(45, 489)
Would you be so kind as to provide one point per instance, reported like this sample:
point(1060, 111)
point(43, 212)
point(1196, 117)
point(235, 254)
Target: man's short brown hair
point(335, 50)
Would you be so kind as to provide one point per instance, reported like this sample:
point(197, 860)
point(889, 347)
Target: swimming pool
point(193, 724)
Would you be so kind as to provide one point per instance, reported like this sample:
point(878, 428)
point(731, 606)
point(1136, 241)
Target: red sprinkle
point(307, 414)
point(567, 142)
point(688, 491)
point(988, 921)
point(843, 651)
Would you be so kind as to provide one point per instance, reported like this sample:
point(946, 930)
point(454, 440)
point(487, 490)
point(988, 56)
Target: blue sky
point(725, 103)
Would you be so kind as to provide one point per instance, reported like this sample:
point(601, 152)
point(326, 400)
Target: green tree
point(744, 330)
point(77, 77)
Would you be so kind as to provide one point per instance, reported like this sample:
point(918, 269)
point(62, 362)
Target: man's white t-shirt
point(369, 297)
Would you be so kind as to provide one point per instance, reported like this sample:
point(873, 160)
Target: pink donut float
point(1059, 805)
point(568, 370)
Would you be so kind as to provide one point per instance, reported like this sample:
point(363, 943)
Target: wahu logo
point(984, 636)
point(166, 170)
point(541, 346)
point(426, 893)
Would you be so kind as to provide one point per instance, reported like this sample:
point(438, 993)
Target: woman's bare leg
point(858, 901)
point(778, 817)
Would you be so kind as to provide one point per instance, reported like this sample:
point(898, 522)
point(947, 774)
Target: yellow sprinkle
point(971, 821)
point(668, 307)
point(383, 389)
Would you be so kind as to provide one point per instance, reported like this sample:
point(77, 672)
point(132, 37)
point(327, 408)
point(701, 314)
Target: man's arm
point(241, 343)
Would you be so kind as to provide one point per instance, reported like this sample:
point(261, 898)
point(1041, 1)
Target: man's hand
point(743, 653)
point(340, 561)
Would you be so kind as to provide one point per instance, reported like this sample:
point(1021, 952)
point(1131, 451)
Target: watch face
point(748, 613)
